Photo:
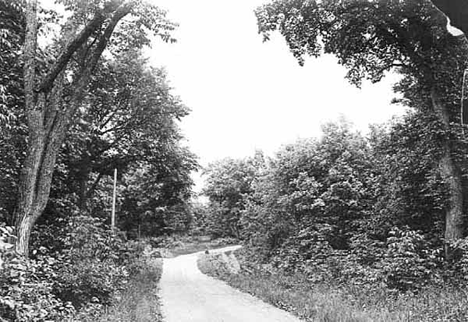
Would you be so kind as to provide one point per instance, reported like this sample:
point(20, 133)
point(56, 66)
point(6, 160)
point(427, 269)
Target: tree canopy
point(57, 75)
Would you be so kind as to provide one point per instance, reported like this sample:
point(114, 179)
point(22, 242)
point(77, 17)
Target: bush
point(409, 262)
point(88, 267)
point(306, 251)
point(26, 286)
point(406, 262)
point(458, 267)
point(92, 266)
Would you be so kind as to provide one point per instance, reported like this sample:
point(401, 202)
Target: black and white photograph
point(233, 161)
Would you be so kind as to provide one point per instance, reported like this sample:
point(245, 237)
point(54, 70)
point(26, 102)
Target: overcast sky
point(246, 94)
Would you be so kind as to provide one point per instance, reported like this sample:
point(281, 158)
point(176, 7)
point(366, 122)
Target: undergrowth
point(139, 302)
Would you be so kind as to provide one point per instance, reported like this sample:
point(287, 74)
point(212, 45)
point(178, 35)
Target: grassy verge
point(325, 303)
point(139, 302)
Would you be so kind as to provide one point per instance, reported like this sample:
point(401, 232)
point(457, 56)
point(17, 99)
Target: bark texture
point(454, 218)
point(49, 112)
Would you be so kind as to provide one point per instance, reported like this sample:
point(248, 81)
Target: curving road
point(187, 295)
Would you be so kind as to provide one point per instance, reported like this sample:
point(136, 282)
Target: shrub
point(409, 262)
point(92, 266)
point(458, 268)
point(26, 286)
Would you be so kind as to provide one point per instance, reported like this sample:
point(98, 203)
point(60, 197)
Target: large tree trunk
point(48, 116)
point(451, 173)
point(36, 177)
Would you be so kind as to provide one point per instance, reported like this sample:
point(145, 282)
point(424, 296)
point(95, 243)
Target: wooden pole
point(462, 101)
point(113, 200)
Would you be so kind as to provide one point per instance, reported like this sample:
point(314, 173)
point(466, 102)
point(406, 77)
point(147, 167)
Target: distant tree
point(228, 182)
point(156, 194)
point(321, 185)
point(56, 80)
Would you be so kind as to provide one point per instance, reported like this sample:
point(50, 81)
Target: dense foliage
point(228, 181)
point(129, 123)
point(349, 209)
point(126, 118)
point(371, 38)
point(385, 211)
point(12, 127)
point(80, 273)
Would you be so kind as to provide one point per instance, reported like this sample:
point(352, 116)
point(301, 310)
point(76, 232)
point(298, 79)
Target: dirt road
point(187, 295)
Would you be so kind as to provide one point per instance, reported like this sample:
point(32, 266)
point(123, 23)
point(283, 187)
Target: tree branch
point(70, 49)
point(121, 12)
point(91, 189)
point(29, 50)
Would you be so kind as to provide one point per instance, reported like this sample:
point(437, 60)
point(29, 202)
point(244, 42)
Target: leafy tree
point(320, 185)
point(130, 116)
point(411, 192)
point(156, 195)
point(228, 182)
point(371, 38)
point(56, 84)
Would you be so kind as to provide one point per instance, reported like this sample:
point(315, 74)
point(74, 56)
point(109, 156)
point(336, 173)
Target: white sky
point(245, 94)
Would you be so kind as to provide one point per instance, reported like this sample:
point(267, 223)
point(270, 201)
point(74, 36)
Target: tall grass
point(343, 303)
point(139, 302)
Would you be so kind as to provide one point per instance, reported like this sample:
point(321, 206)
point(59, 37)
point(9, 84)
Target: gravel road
point(187, 295)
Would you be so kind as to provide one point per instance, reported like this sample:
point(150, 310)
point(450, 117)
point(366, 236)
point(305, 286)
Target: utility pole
point(113, 200)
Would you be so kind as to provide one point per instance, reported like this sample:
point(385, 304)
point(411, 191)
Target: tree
point(372, 38)
point(54, 90)
point(409, 190)
point(228, 182)
point(129, 116)
point(156, 193)
point(320, 185)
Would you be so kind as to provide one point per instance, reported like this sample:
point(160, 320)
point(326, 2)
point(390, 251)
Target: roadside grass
point(139, 302)
point(326, 303)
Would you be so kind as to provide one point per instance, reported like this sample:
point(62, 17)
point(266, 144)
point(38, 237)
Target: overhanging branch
point(70, 49)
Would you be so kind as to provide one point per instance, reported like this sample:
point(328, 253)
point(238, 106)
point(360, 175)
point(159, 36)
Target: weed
point(139, 302)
